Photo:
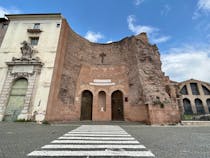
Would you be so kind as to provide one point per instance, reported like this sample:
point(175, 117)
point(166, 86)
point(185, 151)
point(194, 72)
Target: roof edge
point(33, 15)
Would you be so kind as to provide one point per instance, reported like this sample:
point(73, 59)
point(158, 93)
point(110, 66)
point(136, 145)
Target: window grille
point(194, 88)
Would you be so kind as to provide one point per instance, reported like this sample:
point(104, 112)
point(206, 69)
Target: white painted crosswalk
point(94, 141)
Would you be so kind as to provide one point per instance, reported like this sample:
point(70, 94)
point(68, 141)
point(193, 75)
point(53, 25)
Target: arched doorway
point(187, 106)
point(117, 106)
point(86, 105)
point(208, 104)
point(199, 106)
point(16, 99)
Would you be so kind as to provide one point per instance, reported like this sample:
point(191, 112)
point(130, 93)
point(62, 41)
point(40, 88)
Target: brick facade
point(131, 65)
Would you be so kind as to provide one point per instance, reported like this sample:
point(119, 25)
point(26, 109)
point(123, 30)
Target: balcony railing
point(34, 30)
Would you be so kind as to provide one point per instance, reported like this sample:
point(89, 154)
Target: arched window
point(184, 90)
point(187, 106)
point(16, 99)
point(102, 100)
point(206, 90)
point(199, 106)
point(194, 88)
point(208, 104)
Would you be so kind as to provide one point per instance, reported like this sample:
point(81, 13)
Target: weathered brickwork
point(132, 64)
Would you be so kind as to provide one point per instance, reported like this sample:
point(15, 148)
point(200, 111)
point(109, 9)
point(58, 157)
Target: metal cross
point(102, 55)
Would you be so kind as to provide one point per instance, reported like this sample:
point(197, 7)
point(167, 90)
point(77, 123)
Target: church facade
point(49, 72)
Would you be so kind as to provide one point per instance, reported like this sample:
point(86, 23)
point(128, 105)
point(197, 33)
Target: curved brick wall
point(143, 82)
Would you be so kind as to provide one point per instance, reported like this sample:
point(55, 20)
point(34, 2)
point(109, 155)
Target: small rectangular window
point(58, 25)
point(34, 41)
point(37, 26)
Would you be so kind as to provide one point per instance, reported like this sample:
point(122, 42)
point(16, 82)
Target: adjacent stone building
point(195, 96)
point(26, 73)
point(49, 72)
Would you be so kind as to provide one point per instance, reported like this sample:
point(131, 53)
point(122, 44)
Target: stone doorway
point(86, 105)
point(117, 106)
point(16, 99)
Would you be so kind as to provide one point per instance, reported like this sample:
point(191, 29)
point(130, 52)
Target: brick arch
point(121, 90)
point(85, 89)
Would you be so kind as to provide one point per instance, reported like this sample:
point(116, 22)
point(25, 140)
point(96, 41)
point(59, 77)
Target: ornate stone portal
point(27, 67)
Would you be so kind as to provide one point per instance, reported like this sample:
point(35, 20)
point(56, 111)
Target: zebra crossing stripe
point(97, 132)
point(92, 153)
point(97, 138)
point(98, 135)
point(93, 146)
point(96, 141)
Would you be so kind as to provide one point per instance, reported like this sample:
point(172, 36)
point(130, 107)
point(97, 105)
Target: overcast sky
point(180, 28)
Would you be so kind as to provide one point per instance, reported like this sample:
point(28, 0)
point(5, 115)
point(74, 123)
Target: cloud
point(161, 39)
point(186, 63)
point(203, 6)
point(166, 9)
point(138, 28)
point(11, 10)
point(109, 41)
point(93, 36)
point(138, 2)
point(152, 32)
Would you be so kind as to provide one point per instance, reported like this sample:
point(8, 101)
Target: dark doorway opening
point(86, 105)
point(117, 106)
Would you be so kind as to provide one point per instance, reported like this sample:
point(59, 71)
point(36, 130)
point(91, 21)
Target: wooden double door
point(86, 105)
point(117, 106)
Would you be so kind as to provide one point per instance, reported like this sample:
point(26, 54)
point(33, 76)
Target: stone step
point(196, 123)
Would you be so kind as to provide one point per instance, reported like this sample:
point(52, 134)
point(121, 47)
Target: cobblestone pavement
point(19, 139)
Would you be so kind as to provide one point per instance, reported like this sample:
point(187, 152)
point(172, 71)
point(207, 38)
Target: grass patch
point(188, 117)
